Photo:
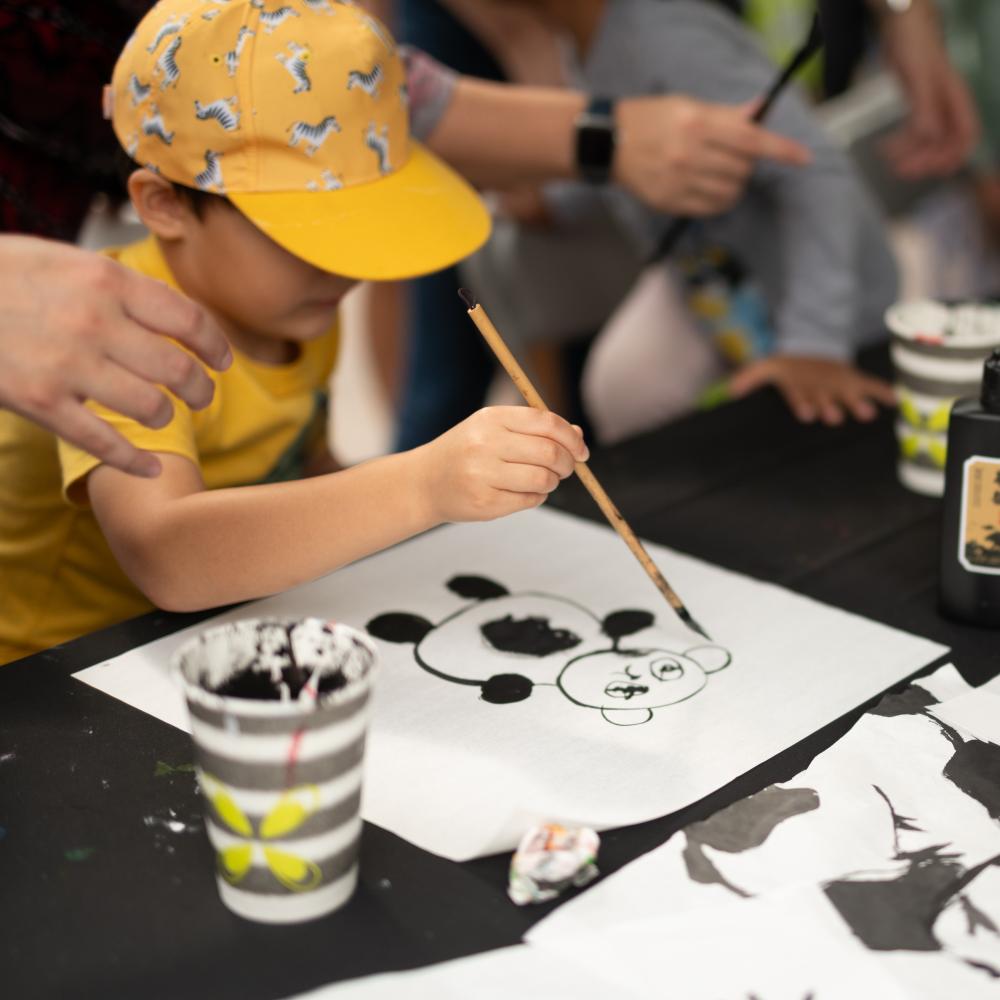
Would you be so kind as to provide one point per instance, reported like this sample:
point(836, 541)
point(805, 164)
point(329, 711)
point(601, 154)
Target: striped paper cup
point(938, 353)
point(281, 779)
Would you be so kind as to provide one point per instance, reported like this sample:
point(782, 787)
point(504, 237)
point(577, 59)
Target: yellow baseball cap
point(296, 110)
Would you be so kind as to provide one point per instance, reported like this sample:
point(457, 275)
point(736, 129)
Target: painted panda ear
point(397, 626)
point(505, 689)
point(710, 658)
point(619, 624)
point(477, 588)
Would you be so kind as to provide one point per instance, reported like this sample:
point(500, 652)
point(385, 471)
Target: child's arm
point(816, 388)
point(189, 548)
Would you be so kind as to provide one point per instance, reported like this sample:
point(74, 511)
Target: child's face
point(250, 282)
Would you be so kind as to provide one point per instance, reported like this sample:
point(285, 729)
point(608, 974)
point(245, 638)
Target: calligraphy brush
point(805, 52)
point(510, 364)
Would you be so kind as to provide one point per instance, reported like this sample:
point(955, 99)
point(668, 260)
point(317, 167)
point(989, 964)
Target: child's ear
point(163, 212)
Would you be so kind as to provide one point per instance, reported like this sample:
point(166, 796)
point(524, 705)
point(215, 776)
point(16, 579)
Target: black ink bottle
point(970, 547)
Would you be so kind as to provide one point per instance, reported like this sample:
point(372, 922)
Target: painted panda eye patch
point(666, 669)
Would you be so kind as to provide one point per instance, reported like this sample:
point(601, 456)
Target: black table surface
point(94, 902)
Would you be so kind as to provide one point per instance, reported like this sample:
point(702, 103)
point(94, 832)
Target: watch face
point(595, 148)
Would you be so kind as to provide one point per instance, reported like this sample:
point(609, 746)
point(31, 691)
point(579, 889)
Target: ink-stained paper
point(896, 825)
point(532, 673)
point(517, 971)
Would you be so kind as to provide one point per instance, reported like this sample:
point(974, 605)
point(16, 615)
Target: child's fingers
point(800, 404)
point(528, 449)
point(881, 392)
point(512, 502)
point(861, 407)
point(830, 411)
point(527, 479)
point(544, 423)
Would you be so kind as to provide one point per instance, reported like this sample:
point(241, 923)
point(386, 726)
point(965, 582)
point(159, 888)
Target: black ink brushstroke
point(505, 689)
point(619, 624)
point(914, 700)
point(740, 827)
point(476, 588)
point(532, 636)
point(974, 768)
point(398, 626)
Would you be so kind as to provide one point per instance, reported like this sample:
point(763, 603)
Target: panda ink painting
point(531, 673)
point(605, 666)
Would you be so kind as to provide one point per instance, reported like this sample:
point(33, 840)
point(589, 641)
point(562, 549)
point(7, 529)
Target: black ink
point(476, 588)
point(528, 636)
point(974, 768)
point(740, 827)
point(619, 624)
point(914, 700)
point(899, 914)
point(505, 689)
point(397, 626)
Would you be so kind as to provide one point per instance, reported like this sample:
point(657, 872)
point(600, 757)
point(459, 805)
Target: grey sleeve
point(812, 235)
point(430, 86)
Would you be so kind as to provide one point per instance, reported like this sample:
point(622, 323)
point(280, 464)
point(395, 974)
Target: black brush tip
point(467, 297)
point(685, 616)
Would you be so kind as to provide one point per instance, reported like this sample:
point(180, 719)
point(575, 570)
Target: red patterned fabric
point(56, 151)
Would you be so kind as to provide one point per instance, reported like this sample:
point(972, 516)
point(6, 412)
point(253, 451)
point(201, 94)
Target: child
point(298, 115)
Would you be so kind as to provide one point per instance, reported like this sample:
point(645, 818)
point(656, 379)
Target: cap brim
point(416, 220)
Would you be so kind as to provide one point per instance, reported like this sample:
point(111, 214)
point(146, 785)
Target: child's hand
point(817, 389)
point(500, 460)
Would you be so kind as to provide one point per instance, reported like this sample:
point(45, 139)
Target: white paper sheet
point(609, 731)
point(788, 946)
point(521, 972)
point(896, 824)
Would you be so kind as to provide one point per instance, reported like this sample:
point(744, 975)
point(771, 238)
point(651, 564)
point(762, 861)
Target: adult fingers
point(162, 310)
point(747, 139)
point(125, 393)
point(74, 422)
point(157, 360)
point(545, 423)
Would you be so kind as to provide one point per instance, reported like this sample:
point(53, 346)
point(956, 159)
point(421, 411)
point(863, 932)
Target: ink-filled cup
point(279, 714)
point(938, 352)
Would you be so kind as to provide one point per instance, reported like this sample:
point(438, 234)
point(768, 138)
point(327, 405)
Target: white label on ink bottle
point(979, 538)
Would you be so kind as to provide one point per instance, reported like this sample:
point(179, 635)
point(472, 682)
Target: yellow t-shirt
point(58, 578)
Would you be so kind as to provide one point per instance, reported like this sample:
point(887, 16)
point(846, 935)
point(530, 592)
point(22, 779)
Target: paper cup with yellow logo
point(938, 352)
point(279, 713)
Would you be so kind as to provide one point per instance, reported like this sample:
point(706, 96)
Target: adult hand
point(75, 325)
point(500, 460)
point(688, 157)
point(943, 126)
point(816, 388)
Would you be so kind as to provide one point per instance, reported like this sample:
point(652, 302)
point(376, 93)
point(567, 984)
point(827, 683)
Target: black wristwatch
point(595, 141)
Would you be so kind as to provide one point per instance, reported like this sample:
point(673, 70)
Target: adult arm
point(943, 125)
point(676, 154)
point(75, 325)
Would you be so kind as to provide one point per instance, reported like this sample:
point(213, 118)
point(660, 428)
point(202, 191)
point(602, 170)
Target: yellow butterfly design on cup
point(287, 815)
point(923, 431)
